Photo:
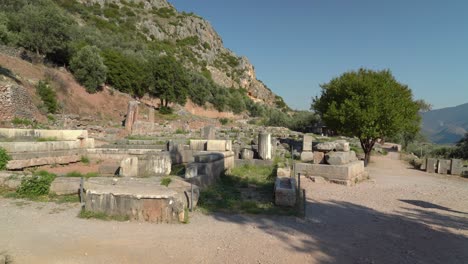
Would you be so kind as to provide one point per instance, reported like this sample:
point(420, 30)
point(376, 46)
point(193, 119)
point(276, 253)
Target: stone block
point(431, 165)
point(157, 164)
point(191, 171)
point(208, 132)
point(198, 145)
point(132, 115)
point(65, 185)
point(337, 158)
point(285, 191)
point(423, 164)
point(319, 157)
point(339, 172)
point(219, 145)
point(247, 154)
point(352, 156)
point(307, 143)
point(33, 162)
point(283, 172)
point(443, 166)
point(326, 146)
point(456, 167)
point(109, 167)
point(342, 145)
point(129, 167)
point(307, 156)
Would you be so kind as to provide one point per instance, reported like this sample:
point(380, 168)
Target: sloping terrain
point(446, 125)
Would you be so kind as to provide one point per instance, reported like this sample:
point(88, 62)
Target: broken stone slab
point(283, 172)
point(307, 143)
point(129, 167)
point(307, 156)
point(326, 146)
point(285, 191)
point(319, 157)
point(443, 166)
point(431, 165)
point(21, 164)
point(65, 186)
point(247, 154)
point(456, 167)
point(337, 158)
point(342, 145)
point(191, 171)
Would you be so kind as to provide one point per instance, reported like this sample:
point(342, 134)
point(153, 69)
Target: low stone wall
point(210, 166)
point(118, 154)
point(154, 164)
point(60, 135)
point(347, 172)
point(253, 162)
point(25, 147)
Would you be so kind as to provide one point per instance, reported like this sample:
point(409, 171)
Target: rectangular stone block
point(198, 145)
point(443, 166)
point(431, 165)
point(129, 167)
point(285, 191)
point(319, 157)
point(191, 171)
point(109, 167)
point(342, 145)
point(456, 167)
point(219, 145)
point(154, 164)
point(307, 156)
point(423, 164)
point(329, 172)
point(307, 143)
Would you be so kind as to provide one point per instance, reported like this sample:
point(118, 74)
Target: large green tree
point(168, 80)
point(88, 68)
point(368, 105)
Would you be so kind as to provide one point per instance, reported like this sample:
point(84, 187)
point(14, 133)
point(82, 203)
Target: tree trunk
point(367, 145)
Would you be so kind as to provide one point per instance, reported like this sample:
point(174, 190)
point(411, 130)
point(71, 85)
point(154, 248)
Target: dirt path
point(400, 216)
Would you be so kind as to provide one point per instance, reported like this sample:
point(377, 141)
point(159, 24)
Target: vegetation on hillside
point(368, 105)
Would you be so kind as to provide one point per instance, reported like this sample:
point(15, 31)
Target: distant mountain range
point(446, 125)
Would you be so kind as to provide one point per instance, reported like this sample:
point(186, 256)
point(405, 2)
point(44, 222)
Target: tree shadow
point(9, 74)
point(343, 232)
point(428, 205)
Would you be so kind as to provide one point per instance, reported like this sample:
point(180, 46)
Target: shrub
point(165, 110)
point(48, 96)
point(88, 68)
point(37, 185)
point(166, 181)
point(224, 121)
point(4, 158)
point(85, 160)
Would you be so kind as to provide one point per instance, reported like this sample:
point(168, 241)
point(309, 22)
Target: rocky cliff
point(158, 20)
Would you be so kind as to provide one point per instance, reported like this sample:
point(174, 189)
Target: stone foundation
point(348, 172)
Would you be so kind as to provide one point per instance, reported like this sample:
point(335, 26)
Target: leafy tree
point(461, 151)
point(43, 27)
point(48, 96)
point(6, 36)
point(88, 68)
point(199, 89)
point(125, 73)
point(369, 105)
point(168, 80)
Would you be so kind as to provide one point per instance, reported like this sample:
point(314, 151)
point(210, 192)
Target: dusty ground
point(400, 216)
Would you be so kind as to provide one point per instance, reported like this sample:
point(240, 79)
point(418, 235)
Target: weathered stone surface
point(15, 101)
point(198, 145)
point(247, 154)
point(283, 172)
point(352, 156)
point(132, 115)
point(342, 145)
point(326, 146)
point(456, 167)
point(317, 179)
point(208, 132)
point(65, 185)
point(60, 135)
point(191, 171)
point(340, 172)
point(319, 157)
point(154, 164)
point(307, 143)
point(20, 147)
point(307, 156)
point(210, 167)
point(285, 191)
point(219, 145)
point(337, 158)
point(109, 167)
point(431, 165)
point(21, 164)
point(264, 146)
point(443, 166)
point(423, 164)
point(129, 167)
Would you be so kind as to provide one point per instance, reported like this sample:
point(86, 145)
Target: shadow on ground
point(342, 232)
point(7, 73)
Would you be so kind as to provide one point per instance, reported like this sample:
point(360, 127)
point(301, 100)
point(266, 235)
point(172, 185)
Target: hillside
point(446, 125)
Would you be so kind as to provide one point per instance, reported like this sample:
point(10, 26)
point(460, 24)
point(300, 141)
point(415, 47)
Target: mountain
point(446, 125)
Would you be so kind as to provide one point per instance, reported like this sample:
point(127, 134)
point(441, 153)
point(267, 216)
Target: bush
point(37, 185)
point(88, 68)
point(166, 181)
point(166, 110)
point(4, 158)
point(48, 96)
point(224, 121)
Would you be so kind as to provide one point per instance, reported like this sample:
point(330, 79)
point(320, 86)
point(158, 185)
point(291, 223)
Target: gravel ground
point(400, 216)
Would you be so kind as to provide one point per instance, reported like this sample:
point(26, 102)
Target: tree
point(168, 80)
point(88, 68)
point(369, 105)
point(48, 96)
point(43, 28)
point(461, 151)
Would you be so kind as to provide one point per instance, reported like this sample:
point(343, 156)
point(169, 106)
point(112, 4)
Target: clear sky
point(296, 45)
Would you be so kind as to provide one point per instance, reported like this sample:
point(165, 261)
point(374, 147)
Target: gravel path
point(399, 216)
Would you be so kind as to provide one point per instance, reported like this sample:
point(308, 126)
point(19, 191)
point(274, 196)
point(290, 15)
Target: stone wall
point(42, 133)
point(15, 101)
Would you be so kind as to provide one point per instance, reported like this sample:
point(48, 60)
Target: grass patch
point(46, 139)
point(76, 174)
point(245, 189)
point(166, 181)
point(85, 160)
point(102, 216)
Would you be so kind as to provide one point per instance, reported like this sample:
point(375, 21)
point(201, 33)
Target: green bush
point(4, 158)
point(166, 110)
point(166, 181)
point(224, 121)
point(88, 68)
point(37, 185)
point(48, 96)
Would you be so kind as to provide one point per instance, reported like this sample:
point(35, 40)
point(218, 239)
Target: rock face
point(225, 67)
point(15, 101)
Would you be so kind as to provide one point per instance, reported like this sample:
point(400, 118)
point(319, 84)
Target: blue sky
point(296, 45)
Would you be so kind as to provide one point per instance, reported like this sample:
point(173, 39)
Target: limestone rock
point(307, 156)
point(326, 146)
point(337, 158)
point(342, 145)
point(319, 157)
point(129, 167)
point(65, 185)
